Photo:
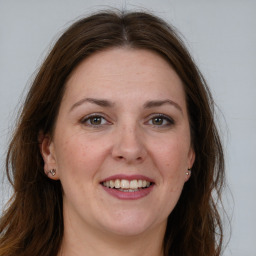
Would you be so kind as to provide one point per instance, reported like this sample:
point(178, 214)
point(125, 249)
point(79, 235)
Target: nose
point(129, 145)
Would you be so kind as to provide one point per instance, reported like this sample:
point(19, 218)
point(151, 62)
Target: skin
point(128, 140)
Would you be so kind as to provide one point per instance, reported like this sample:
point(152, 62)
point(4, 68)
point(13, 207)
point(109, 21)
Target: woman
point(116, 150)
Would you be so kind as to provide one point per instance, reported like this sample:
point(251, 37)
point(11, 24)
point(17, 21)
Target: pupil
point(158, 120)
point(96, 120)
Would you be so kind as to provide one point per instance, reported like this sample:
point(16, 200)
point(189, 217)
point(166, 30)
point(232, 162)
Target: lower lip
point(128, 195)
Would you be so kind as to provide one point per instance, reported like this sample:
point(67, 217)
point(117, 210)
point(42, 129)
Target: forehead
point(124, 71)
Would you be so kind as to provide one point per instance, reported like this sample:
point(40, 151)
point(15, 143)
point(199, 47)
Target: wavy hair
point(32, 224)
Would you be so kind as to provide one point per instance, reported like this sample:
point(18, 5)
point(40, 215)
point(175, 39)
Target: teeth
point(128, 190)
point(117, 184)
point(111, 183)
point(134, 184)
point(126, 185)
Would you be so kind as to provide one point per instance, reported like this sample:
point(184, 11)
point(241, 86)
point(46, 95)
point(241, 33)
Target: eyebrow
point(158, 103)
point(99, 102)
point(106, 103)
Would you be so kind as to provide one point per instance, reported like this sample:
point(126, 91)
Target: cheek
point(76, 166)
point(171, 163)
point(72, 157)
point(171, 159)
point(79, 157)
point(172, 156)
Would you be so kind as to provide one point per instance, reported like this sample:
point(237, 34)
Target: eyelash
point(168, 121)
point(90, 118)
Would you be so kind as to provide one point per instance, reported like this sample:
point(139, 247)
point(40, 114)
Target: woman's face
point(121, 145)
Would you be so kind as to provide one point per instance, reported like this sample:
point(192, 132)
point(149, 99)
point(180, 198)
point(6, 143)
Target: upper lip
point(128, 177)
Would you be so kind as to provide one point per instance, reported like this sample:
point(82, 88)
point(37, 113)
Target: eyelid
point(165, 117)
point(169, 119)
point(101, 115)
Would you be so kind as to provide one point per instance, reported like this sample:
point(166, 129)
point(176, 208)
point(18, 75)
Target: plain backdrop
point(220, 34)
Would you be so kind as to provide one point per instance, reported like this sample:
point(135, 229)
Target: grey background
point(221, 37)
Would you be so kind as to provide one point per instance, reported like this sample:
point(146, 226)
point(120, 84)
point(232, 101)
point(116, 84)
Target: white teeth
point(111, 183)
point(126, 185)
point(134, 184)
point(128, 190)
point(117, 183)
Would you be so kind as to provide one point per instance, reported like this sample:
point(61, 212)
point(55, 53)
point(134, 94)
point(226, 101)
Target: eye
point(94, 120)
point(157, 121)
point(160, 120)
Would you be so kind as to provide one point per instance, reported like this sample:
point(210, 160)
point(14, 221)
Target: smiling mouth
point(127, 185)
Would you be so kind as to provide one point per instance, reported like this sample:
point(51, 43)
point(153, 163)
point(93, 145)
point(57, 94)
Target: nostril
point(136, 159)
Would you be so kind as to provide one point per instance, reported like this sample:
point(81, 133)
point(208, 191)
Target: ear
point(191, 160)
point(47, 150)
point(191, 157)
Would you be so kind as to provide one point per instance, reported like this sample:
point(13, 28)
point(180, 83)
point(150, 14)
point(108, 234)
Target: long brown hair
point(33, 222)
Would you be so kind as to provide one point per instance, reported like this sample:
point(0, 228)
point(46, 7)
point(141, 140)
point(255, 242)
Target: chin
point(128, 230)
point(130, 225)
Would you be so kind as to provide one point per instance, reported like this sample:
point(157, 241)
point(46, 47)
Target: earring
point(188, 172)
point(52, 172)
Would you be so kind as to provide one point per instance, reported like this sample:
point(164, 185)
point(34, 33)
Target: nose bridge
point(129, 145)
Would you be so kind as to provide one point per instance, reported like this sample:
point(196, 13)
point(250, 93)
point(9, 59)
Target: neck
point(91, 243)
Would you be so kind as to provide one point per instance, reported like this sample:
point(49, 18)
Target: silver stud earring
point(52, 172)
